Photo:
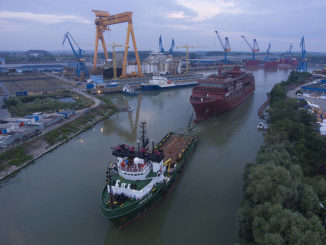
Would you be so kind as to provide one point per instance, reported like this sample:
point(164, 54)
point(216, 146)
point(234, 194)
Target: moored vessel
point(129, 90)
point(222, 92)
point(141, 177)
point(160, 82)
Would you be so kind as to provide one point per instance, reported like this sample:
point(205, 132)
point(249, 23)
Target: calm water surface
point(56, 199)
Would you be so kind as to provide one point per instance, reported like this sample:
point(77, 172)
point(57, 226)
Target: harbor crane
point(160, 44)
point(80, 61)
point(254, 48)
point(226, 46)
point(268, 52)
point(102, 21)
point(289, 51)
point(172, 47)
point(303, 60)
point(187, 47)
point(114, 45)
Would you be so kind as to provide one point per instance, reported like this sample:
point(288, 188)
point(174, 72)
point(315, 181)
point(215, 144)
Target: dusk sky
point(40, 24)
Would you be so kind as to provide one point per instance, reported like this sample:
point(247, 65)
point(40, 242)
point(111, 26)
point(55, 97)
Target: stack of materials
point(322, 128)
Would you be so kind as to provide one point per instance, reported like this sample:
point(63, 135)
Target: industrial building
point(318, 89)
point(31, 68)
point(20, 129)
point(159, 63)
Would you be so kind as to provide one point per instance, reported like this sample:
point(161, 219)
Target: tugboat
point(141, 177)
point(222, 92)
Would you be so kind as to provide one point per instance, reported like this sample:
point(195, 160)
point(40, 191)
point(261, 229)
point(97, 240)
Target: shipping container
point(21, 93)
point(89, 85)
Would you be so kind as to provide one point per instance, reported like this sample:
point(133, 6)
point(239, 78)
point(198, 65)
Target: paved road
point(4, 113)
point(4, 88)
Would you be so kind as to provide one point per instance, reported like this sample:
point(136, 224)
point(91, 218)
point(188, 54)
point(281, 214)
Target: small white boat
point(260, 126)
point(128, 90)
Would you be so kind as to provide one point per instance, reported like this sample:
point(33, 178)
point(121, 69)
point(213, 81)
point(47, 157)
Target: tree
point(274, 225)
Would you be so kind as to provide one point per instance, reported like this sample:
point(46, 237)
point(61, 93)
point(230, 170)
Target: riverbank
point(263, 107)
point(284, 188)
point(11, 162)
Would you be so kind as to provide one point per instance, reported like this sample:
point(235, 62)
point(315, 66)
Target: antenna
point(143, 138)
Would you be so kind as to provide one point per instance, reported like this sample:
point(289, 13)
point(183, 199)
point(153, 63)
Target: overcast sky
point(40, 24)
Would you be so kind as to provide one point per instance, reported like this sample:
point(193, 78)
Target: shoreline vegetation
point(285, 188)
point(22, 155)
point(47, 103)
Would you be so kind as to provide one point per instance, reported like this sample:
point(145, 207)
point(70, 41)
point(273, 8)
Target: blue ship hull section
point(156, 87)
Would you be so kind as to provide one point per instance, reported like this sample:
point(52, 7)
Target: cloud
point(177, 15)
point(44, 18)
point(205, 9)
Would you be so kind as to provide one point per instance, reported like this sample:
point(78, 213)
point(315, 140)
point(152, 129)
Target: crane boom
point(160, 44)
point(268, 52)
point(226, 46)
point(254, 48)
point(80, 65)
point(221, 42)
point(303, 64)
point(68, 36)
point(172, 47)
point(290, 50)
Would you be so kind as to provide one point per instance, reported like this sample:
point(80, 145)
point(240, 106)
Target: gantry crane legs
point(187, 47)
point(102, 21)
point(114, 45)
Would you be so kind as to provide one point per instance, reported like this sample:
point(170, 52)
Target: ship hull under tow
point(205, 109)
point(220, 93)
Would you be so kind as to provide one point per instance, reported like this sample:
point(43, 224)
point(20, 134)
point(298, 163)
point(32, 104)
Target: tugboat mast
point(143, 132)
point(109, 179)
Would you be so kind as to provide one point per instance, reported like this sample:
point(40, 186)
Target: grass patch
point(15, 156)
point(81, 123)
point(48, 103)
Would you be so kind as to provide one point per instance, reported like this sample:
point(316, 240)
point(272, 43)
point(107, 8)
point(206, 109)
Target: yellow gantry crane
point(102, 21)
point(187, 47)
point(114, 45)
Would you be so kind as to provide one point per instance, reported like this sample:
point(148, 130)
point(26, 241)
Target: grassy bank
point(16, 156)
point(81, 123)
point(21, 106)
point(21, 154)
point(284, 187)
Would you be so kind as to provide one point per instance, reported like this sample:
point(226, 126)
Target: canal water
point(56, 199)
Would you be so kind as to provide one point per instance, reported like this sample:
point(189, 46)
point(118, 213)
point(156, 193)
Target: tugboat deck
point(175, 145)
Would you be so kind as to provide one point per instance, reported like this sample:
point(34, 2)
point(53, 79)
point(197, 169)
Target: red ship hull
point(213, 95)
point(207, 109)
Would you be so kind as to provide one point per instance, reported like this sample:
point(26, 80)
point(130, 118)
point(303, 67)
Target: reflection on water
point(56, 200)
point(115, 124)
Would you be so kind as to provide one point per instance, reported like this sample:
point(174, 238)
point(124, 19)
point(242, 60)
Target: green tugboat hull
point(122, 216)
